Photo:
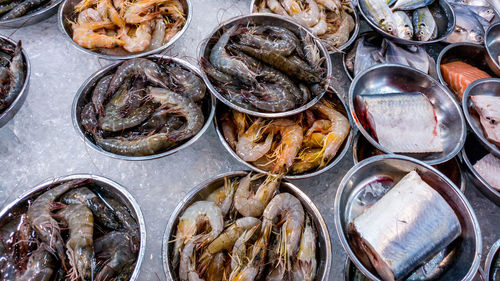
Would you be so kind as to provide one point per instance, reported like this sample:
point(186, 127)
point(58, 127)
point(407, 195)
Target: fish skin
point(403, 25)
point(488, 108)
point(416, 58)
point(380, 13)
point(489, 169)
point(486, 13)
point(410, 5)
point(366, 55)
point(402, 122)
point(408, 225)
point(424, 25)
point(467, 29)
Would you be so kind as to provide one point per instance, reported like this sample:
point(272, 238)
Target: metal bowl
point(353, 35)
point(460, 260)
point(66, 14)
point(443, 15)
point(488, 264)
point(362, 149)
point(221, 109)
point(469, 53)
point(387, 78)
point(472, 152)
point(200, 192)
point(489, 87)
point(84, 93)
point(105, 187)
point(14, 107)
point(33, 17)
point(492, 44)
point(260, 19)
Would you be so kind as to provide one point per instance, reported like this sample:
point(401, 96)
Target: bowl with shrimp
point(248, 222)
point(143, 108)
point(265, 65)
point(88, 220)
point(296, 147)
point(121, 30)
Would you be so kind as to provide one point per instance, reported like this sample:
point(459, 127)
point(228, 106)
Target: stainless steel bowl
point(472, 152)
point(469, 53)
point(33, 17)
point(14, 107)
point(460, 260)
point(106, 187)
point(489, 87)
point(352, 37)
point(200, 192)
point(221, 109)
point(362, 149)
point(260, 19)
point(492, 44)
point(84, 93)
point(443, 15)
point(66, 14)
point(488, 264)
point(390, 78)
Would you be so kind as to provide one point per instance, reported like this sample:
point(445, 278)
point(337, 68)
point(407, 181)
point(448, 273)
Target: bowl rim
point(27, 17)
point(495, 248)
point(494, 25)
point(343, 236)
point(275, 17)
point(60, 24)
point(104, 70)
point(239, 173)
point(447, 93)
point(99, 179)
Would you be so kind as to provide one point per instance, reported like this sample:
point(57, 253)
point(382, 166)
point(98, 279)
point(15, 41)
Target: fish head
point(407, 32)
point(475, 36)
point(389, 26)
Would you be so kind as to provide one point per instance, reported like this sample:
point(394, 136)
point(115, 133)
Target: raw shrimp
point(88, 15)
point(342, 34)
point(127, 222)
point(276, 7)
point(214, 271)
point(84, 4)
point(304, 268)
point(251, 204)
point(17, 75)
point(271, 38)
point(140, 11)
point(309, 16)
point(322, 26)
point(291, 140)
point(240, 248)
point(248, 146)
point(80, 249)
point(85, 35)
point(99, 96)
point(191, 85)
point(191, 220)
point(133, 98)
point(89, 119)
point(112, 121)
point(223, 196)
point(292, 7)
point(141, 39)
point(158, 35)
point(228, 130)
point(308, 159)
point(332, 5)
point(143, 146)
point(271, 98)
point(187, 265)
point(41, 266)
point(115, 248)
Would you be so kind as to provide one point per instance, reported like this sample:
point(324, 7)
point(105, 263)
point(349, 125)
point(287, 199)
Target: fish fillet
point(406, 227)
point(488, 108)
point(489, 169)
point(402, 122)
point(458, 75)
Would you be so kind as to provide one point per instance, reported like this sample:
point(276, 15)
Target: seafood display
point(494, 270)
point(121, 28)
point(295, 145)
point(245, 229)
point(401, 122)
point(458, 75)
point(265, 68)
point(408, 225)
point(330, 20)
point(13, 9)
point(472, 20)
point(489, 169)
point(488, 109)
point(145, 107)
point(12, 73)
point(70, 231)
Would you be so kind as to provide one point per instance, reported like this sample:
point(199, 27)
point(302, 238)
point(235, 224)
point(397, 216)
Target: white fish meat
point(489, 169)
point(488, 108)
point(404, 228)
point(402, 122)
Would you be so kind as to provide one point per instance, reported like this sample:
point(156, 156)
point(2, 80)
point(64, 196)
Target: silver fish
point(467, 29)
point(408, 225)
point(380, 12)
point(390, 2)
point(409, 5)
point(424, 25)
point(367, 55)
point(403, 25)
point(414, 56)
point(488, 13)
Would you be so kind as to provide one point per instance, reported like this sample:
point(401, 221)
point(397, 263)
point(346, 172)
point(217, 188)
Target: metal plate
point(492, 44)
point(493, 254)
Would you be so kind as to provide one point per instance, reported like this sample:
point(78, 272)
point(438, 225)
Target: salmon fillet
point(488, 108)
point(489, 169)
point(458, 75)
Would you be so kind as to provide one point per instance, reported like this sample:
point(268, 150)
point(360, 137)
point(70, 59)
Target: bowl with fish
point(410, 22)
point(371, 48)
point(363, 149)
point(265, 65)
point(298, 146)
point(483, 168)
point(492, 44)
point(16, 14)
point(460, 64)
point(116, 30)
point(335, 23)
point(401, 110)
point(492, 263)
point(15, 72)
point(143, 108)
point(88, 220)
point(436, 237)
point(244, 241)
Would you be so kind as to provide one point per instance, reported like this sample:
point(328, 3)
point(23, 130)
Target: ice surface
point(40, 141)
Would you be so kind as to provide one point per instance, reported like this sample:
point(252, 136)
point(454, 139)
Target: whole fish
point(380, 12)
point(390, 2)
point(367, 55)
point(489, 169)
point(403, 25)
point(484, 12)
point(410, 5)
point(424, 25)
point(467, 29)
point(408, 225)
point(414, 56)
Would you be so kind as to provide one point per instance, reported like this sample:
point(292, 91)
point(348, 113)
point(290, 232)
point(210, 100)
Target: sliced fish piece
point(488, 108)
point(458, 75)
point(402, 122)
point(406, 227)
point(489, 169)
point(380, 13)
point(410, 5)
point(403, 25)
point(424, 25)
